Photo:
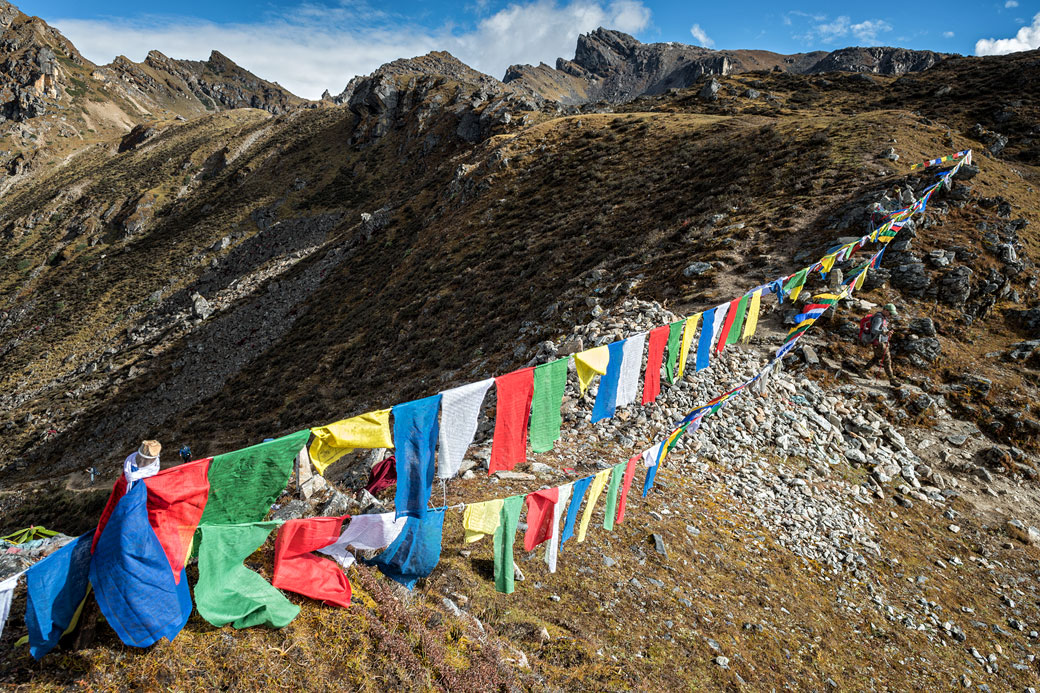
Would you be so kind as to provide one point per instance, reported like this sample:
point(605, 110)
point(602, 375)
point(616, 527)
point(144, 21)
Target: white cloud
point(948, 34)
point(311, 48)
point(1011, 3)
point(836, 30)
point(1027, 38)
point(701, 36)
point(868, 31)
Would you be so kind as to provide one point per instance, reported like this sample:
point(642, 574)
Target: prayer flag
point(722, 313)
point(704, 345)
point(512, 412)
point(626, 484)
point(631, 365)
point(505, 535)
point(652, 378)
point(227, 591)
point(610, 512)
point(481, 519)
point(415, 432)
point(540, 509)
point(243, 484)
point(371, 430)
point(606, 397)
point(365, 533)
point(56, 588)
point(752, 315)
point(298, 570)
point(553, 549)
point(671, 359)
point(738, 321)
point(794, 285)
point(598, 483)
point(415, 552)
point(577, 495)
point(687, 340)
point(589, 363)
point(460, 409)
point(550, 380)
point(731, 316)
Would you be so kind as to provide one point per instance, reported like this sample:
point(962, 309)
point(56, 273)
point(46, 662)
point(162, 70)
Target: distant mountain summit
point(612, 66)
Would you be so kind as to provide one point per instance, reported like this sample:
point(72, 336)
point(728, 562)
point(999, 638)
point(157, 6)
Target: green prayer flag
point(795, 283)
point(671, 359)
point(243, 484)
point(227, 591)
point(550, 379)
point(504, 536)
point(738, 321)
point(612, 495)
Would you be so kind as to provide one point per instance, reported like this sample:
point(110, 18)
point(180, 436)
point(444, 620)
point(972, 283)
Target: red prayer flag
point(176, 498)
point(512, 412)
point(384, 475)
point(652, 379)
point(731, 315)
point(540, 505)
point(298, 570)
point(626, 483)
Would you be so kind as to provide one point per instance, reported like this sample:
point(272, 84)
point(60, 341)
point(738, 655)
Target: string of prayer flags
point(540, 512)
point(589, 364)
point(481, 519)
point(415, 431)
point(581, 486)
point(56, 588)
point(371, 430)
point(365, 533)
point(460, 409)
point(652, 378)
point(943, 160)
point(752, 315)
point(552, 551)
point(794, 285)
point(610, 512)
point(550, 381)
point(606, 396)
point(131, 577)
point(415, 552)
point(227, 591)
point(631, 365)
point(298, 570)
point(704, 345)
point(671, 359)
point(689, 329)
point(243, 484)
point(512, 413)
point(505, 535)
point(626, 484)
point(598, 484)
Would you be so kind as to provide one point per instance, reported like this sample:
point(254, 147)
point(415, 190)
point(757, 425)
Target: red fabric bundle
point(512, 412)
point(384, 475)
point(652, 379)
point(298, 570)
point(540, 505)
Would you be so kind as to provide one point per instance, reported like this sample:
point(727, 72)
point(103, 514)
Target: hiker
point(185, 453)
point(142, 463)
point(873, 330)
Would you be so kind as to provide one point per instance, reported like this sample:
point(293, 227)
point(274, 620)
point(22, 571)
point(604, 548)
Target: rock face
point(615, 67)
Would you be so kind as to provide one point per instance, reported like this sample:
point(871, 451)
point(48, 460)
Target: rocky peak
point(879, 60)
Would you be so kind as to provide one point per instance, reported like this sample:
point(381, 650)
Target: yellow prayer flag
point(481, 519)
point(594, 493)
point(828, 262)
point(687, 340)
point(371, 430)
point(589, 363)
point(751, 321)
point(861, 278)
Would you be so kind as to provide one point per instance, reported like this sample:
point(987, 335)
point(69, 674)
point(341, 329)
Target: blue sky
point(317, 44)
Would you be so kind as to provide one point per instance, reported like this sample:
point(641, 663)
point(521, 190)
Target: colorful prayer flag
point(512, 413)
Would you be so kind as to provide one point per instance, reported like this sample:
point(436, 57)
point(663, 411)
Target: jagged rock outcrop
point(613, 66)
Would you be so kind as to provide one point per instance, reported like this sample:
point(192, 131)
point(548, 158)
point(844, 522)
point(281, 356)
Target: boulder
point(927, 348)
point(710, 90)
point(200, 307)
point(1017, 529)
point(955, 286)
point(923, 326)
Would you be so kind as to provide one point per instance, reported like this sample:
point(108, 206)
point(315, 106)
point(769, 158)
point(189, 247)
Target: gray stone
point(696, 269)
point(889, 154)
point(293, 510)
point(923, 326)
point(659, 546)
point(710, 90)
point(200, 307)
point(1016, 529)
point(515, 476)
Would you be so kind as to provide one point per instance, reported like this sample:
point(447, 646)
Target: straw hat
point(149, 449)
